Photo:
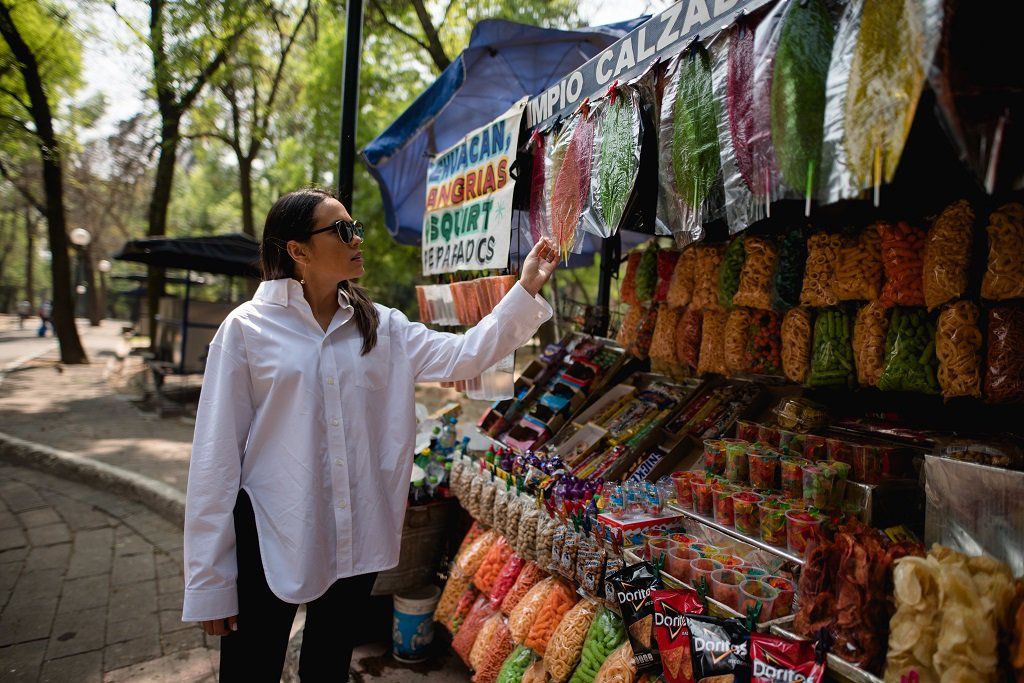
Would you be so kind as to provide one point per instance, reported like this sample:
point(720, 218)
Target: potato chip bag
point(783, 659)
point(670, 610)
point(719, 649)
point(633, 585)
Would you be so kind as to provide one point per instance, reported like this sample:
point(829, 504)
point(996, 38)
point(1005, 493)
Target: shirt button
point(334, 423)
point(341, 505)
point(330, 380)
point(339, 461)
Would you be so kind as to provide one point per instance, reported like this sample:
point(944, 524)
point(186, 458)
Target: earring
point(302, 282)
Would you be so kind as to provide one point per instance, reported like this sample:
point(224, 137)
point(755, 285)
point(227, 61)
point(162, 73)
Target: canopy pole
point(611, 250)
point(349, 100)
point(184, 321)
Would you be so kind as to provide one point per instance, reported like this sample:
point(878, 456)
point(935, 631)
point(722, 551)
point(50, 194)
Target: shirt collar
point(278, 292)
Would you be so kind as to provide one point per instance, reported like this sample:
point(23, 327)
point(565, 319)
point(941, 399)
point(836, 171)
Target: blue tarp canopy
point(504, 62)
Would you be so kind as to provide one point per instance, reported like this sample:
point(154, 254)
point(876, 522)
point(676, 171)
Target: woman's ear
point(298, 252)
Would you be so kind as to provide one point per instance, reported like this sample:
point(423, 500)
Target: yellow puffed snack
point(566, 644)
point(947, 254)
point(869, 332)
point(755, 288)
point(1004, 278)
point(796, 344)
point(859, 267)
point(737, 330)
point(712, 351)
point(705, 277)
point(680, 290)
point(958, 346)
point(819, 289)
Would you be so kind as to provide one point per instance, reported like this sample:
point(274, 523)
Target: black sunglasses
point(345, 230)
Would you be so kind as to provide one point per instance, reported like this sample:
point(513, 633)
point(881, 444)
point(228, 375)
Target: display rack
point(728, 531)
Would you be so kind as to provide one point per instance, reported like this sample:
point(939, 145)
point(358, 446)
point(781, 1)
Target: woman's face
point(325, 255)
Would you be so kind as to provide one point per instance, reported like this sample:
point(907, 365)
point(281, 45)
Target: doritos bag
point(633, 586)
point(670, 610)
point(719, 650)
point(778, 660)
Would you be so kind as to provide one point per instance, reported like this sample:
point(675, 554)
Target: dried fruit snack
point(947, 255)
point(958, 343)
point(680, 289)
point(796, 344)
point(903, 261)
point(566, 643)
point(819, 287)
point(859, 267)
point(1004, 276)
point(705, 278)
point(755, 286)
point(869, 332)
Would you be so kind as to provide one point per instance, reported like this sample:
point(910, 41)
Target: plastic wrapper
point(1004, 275)
point(572, 183)
point(462, 609)
point(483, 640)
point(958, 342)
point(539, 223)
point(486, 505)
point(666, 268)
point(617, 158)
point(523, 615)
point(869, 333)
point(453, 589)
point(680, 289)
point(910, 362)
point(663, 346)
point(605, 635)
point(566, 643)
point(535, 673)
point(499, 649)
point(647, 275)
point(493, 562)
point(755, 286)
point(708, 259)
point(796, 344)
point(515, 665)
point(529, 577)
point(464, 640)
point(505, 580)
point(474, 491)
point(688, 140)
point(832, 352)
point(712, 344)
point(763, 355)
point(627, 290)
point(526, 538)
point(545, 537)
point(631, 322)
point(947, 255)
point(766, 184)
point(798, 94)
point(734, 343)
point(859, 267)
point(469, 561)
point(789, 272)
point(729, 271)
point(516, 507)
point(619, 667)
point(819, 287)
point(903, 259)
point(641, 345)
point(1004, 371)
point(560, 599)
point(688, 338)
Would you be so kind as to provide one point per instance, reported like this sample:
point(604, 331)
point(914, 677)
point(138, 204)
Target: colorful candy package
point(670, 610)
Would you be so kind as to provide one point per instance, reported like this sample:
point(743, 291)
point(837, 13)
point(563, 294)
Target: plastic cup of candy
point(773, 522)
point(725, 586)
point(679, 540)
point(722, 501)
point(817, 481)
point(656, 546)
point(764, 468)
point(841, 474)
point(787, 593)
point(747, 513)
point(714, 456)
point(869, 463)
point(791, 443)
point(704, 549)
point(815, 447)
point(677, 564)
point(801, 529)
point(752, 572)
point(771, 436)
point(703, 503)
point(753, 591)
point(791, 470)
point(736, 468)
point(701, 568)
point(684, 494)
point(747, 431)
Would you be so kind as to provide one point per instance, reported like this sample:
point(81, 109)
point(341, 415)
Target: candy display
point(903, 259)
point(747, 512)
point(802, 528)
point(708, 260)
point(737, 468)
point(734, 342)
point(819, 285)
point(721, 499)
point(832, 353)
point(910, 362)
point(958, 342)
point(1004, 365)
point(796, 344)
point(1004, 276)
point(869, 335)
point(729, 272)
point(712, 344)
point(566, 643)
point(764, 468)
point(947, 255)
point(788, 278)
point(680, 290)
point(688, 337)
point(605, 635)
point(859, 267)
point(759, 266)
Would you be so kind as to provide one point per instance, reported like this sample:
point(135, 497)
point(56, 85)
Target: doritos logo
point(719, 647)
point(780, 673)
point(671, 619)
point(635, 597)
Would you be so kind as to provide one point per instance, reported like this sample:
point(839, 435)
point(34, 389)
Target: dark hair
point(291, 218)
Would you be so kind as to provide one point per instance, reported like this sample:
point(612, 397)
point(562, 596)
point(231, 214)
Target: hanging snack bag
point(603, 637)
point(688, 337)
point(525, 613)
point(483, 640)
point(796, 344)
point(492, 565)
point(497, 653)
point(755, 288)
point(680, 290)
point(784, 659)
point(720, 649)
point(560, 600)
point(764, 343)
point(859, 267)
point(670, 610)
point(506, 579)
point(734, 344)
point(910, 362)
point(453, 590)
point(1004, 277)
point(947, 255)
point(819, 288)
point(705, 276)
point(730, 270)
point(647, 274)
point(958, 342)
point(462, 609)
point(869, 332)
point(464, 640)
point(1004, 374)
point(567, 560)
point(832, 353)
point(590, 559)
point(789, 271)
point(513, 669)
point(633, 586)
point(641, 346)
point(631, 322)
point(903, 260)
point(712, 343)
point(627, 290)
point(613, 563)
point(529, 577)
point(620, 667)
point(663, 343)
point(666, 268)
point(566, 643)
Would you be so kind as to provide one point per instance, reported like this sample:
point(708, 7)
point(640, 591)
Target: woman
point(304, 440)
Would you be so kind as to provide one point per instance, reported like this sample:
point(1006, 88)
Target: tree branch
point(263, 121)
point(186, 100)
point(203, 136)
point(23, 191)
point(395, 27)
point(435, 48)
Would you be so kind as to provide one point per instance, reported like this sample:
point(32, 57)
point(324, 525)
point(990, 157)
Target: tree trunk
point(434, 47)
point(71, 350)
point(30, 257)
point(245, 187)
point(158, 205)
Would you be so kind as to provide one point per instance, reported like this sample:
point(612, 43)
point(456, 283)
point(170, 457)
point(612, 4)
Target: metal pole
point(350, 99)
point(611, 249)
point(184, 321)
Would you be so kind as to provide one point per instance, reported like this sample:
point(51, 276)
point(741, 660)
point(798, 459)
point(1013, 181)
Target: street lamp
point(80, 238)
point(104, 267)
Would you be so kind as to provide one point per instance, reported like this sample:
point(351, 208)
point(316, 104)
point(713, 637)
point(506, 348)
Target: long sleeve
point(444, 357)
point(223, 421)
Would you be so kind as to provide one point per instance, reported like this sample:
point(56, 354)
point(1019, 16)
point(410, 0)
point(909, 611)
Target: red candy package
point(783, 659)
point(671, 632)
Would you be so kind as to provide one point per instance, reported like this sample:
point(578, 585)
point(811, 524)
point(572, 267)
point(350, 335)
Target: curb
point(163, 499)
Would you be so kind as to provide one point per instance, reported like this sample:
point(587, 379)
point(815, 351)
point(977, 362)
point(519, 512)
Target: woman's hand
point(220, 627)
point(540, 263)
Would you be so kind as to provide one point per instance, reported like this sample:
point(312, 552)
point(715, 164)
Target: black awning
point(234, 254)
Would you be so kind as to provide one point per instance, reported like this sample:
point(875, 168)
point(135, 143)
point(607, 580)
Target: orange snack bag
point(560, 600)
point(520, 621)
point(491, 566)
point(903, 261)
point(529, 577)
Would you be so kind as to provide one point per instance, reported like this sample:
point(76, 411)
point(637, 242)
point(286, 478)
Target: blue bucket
point(412, 631)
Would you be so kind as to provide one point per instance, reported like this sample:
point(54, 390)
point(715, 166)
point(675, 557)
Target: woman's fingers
point(220, 627)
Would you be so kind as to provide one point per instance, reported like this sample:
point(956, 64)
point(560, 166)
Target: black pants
point(256, 651)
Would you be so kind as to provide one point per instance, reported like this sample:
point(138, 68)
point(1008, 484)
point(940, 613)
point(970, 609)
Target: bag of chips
point(705, 278)
point(633, 585)
point(464, 640)
point(453, 590)
point(764, 344)
point(529, 577)
point(903, 261)
point(796, 344)
point(666, 267)
point(832, 353)
point(755, 289)
point(605, 634)
point(819, 288)
point(869, 331)
point(687, 338)
point(784, 659)
point(859, 267)
point(670, 610)
point(483, 640)
point(462, 609)
point(910, 361)
point(647, 274)
point(560, 599)
point(712, 343)
point(620, 667)
point(729, 271)
point(516, 664)
point(627, 290)
point(1004, 373)
point(720, 649)
point(505, 580)
point(524, 614)
point(680, 290)
point(734, 343)
point(566, 643)
point(1004, 276)
point(663, 345)
point(947, 255)
point(789, 271)
point(492, 565)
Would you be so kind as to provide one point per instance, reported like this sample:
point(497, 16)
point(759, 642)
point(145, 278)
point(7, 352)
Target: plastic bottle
point(418, 493)
point(448, 434)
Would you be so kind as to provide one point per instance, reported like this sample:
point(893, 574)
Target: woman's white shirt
point(320, 437)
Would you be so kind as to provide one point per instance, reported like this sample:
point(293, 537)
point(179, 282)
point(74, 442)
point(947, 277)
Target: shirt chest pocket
point(372, 370)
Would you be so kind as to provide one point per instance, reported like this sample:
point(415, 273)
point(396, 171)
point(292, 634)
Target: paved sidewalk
point(90, 588)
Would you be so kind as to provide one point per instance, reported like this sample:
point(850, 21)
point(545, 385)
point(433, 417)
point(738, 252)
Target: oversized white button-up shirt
point(320, 438)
